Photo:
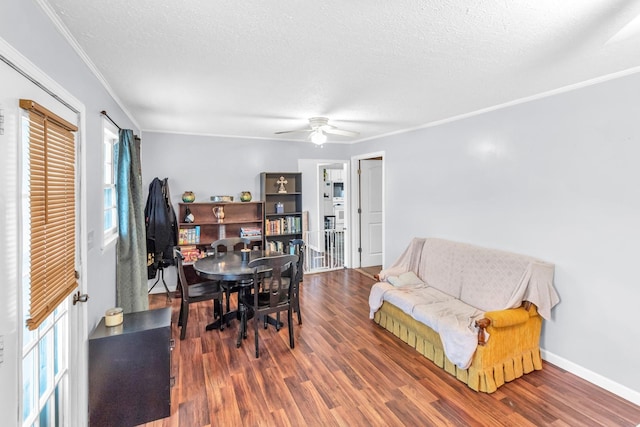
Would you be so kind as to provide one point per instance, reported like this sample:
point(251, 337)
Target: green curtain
point(131, 251)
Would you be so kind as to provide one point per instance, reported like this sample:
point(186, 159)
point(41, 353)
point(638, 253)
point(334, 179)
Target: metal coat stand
point(161, 266)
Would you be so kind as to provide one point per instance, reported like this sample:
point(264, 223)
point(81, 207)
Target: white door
point(45, 381)
point(371, 212)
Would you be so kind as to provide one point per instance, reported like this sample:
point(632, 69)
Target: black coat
point(160, 220)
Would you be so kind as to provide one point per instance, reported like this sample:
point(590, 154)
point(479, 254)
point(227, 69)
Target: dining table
point(233, 267)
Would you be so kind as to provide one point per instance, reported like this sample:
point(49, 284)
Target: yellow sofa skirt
point(512, 349)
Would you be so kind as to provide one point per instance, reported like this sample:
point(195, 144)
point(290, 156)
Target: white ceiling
point(251, 68)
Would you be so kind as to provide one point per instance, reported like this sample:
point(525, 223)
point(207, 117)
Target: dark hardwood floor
point(347, 371)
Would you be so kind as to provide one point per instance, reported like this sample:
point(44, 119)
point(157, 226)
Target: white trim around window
point(110, 211)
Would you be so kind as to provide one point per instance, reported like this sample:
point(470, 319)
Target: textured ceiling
point(251, 68)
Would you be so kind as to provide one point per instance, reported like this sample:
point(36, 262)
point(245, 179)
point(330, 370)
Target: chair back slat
point(230, 244)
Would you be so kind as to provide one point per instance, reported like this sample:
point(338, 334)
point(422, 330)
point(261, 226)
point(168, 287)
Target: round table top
point(229, 266)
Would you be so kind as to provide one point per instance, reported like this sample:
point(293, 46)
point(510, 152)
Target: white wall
point(309, 169)
point(209, 165)
point(559, 179)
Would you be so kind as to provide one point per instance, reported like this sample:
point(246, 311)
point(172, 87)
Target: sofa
point(475, 312)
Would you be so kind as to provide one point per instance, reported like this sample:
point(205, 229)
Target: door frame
point(353, 212)
point(77, 403)
point(311, 194)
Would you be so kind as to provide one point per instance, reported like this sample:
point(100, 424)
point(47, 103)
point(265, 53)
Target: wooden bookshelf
point(284, 224)
point(238, 217)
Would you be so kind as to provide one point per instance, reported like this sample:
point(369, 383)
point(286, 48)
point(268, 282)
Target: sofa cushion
point(405, 279)
point(407, 298)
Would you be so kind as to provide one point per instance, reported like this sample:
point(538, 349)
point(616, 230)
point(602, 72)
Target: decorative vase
point(245, 196)
point(188, 197)
point(218, 212)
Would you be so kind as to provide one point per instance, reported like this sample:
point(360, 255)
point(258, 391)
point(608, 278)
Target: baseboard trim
point(594, 378)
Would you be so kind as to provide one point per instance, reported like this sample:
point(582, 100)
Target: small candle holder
point(113, 317)
point(244, 255)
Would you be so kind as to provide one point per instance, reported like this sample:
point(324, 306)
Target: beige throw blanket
point(452, 319)
point(488, 279)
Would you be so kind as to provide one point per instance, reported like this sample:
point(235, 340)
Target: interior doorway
point(368, 210)
point(326, 190)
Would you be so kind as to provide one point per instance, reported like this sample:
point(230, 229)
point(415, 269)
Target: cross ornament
point(282, 182)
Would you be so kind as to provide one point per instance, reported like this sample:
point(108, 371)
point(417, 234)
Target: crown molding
point(62, 29)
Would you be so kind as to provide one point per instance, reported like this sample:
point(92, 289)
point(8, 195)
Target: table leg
point(275, 322)
point(225, 318)
point(243, 321)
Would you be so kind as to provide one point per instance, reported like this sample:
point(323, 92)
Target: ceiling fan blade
point(321, 125)
point(292, 131)
point(342, 132)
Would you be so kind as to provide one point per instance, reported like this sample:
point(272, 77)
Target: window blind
point(52, 210)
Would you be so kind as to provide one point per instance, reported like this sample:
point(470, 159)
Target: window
point(48, 263)
point(110, 216)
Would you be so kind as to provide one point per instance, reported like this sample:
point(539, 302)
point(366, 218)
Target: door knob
point(77, 297)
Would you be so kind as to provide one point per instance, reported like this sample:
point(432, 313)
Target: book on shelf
point(285, 225)
point(189, 236)
point(275, 246)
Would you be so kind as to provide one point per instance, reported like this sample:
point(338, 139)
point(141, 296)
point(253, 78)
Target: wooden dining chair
point(270, 293)
point(192, 293)
point(229, 245)
point(297, 247)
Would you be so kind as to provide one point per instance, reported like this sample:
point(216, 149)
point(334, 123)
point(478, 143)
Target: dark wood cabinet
point(130, 370)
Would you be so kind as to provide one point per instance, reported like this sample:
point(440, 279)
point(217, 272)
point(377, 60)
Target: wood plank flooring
point(347, 371)
point(370, 271)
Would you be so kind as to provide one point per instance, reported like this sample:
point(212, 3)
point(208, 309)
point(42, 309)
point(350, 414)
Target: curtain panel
point(131, 252)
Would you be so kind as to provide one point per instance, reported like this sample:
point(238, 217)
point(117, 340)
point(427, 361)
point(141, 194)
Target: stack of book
point(189, 236)
point(251, 232)
point(191, 254)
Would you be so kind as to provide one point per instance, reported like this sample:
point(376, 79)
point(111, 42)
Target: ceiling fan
point(318, 129)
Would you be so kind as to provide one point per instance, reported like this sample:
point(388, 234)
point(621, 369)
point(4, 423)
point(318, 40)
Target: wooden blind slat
point(52, 285)
point(50, 304)
point(53, 211)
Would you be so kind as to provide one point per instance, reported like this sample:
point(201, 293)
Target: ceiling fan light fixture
point(318, 137)
point(318, 130)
